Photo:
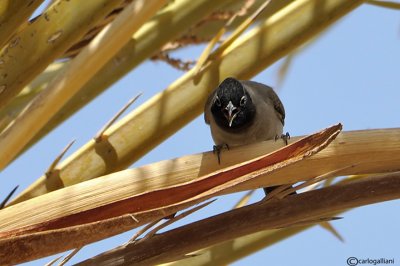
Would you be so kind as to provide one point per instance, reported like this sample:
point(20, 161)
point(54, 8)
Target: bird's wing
point(268, 95)
point(207, 107)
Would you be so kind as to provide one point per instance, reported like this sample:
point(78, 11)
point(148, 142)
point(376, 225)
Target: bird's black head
point(232, 106)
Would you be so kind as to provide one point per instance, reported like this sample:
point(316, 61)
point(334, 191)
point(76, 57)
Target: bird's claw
point(169, 217)
point(217, 150)
point(285, 137)
point(268, 190)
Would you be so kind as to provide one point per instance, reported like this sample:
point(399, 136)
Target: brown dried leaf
point(77, 229)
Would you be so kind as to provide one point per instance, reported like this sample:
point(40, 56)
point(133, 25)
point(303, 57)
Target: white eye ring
point(243, 101)
point(217, 101)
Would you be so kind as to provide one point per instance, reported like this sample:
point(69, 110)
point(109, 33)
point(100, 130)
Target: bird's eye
point(217, 101)
point(243, 101)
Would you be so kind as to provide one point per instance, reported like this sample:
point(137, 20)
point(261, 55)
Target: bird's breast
point(263, 128)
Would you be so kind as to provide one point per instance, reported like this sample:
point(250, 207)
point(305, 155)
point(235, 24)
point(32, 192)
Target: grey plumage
point(266, 123)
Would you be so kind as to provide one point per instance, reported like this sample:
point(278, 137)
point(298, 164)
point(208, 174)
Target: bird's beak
point(231, 114)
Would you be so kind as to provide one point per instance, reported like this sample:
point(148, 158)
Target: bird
point(241, 112)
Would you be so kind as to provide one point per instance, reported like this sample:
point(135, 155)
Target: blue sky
point(350, 74)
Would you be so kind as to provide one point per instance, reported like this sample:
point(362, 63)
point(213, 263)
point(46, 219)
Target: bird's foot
point(217, 150)
point(285, 137)
point(169, 217)
point(268, 190)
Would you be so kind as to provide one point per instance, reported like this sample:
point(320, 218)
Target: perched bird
point(241, 112)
